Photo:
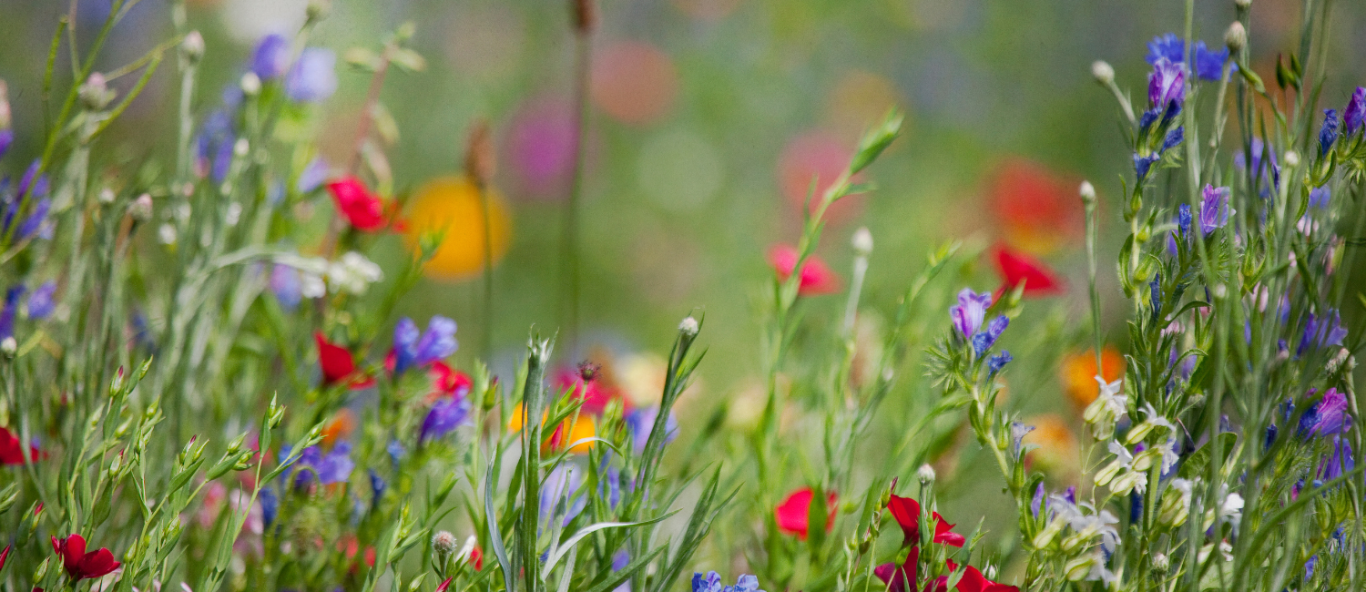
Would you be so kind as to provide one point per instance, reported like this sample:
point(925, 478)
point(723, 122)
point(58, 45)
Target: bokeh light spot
point(679, 171)
point(634, 82)
point(817, 155)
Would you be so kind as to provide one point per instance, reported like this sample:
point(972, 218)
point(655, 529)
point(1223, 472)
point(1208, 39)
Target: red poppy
point(792, 514)
point(1035, 209)
point(447, 382)
point(596, 395)
point(972, 581)
point(896, 576)
point(477, 558)
point(1017, 268)
point(338, 365)
point(12, 452)
point(364, 210)
point(816, 277)
point(78, 563)
point(906, 511)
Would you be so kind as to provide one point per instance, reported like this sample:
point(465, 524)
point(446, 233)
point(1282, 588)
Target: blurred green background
point(709, 119)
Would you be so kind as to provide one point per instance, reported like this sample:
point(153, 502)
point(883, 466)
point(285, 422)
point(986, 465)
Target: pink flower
point(816, 277)
point(792, 515)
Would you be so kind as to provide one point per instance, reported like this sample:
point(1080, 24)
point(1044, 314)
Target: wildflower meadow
point(244, 347)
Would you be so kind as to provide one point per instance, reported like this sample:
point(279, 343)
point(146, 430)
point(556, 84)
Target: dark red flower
point(792, 515)
point(1018, 268)
point(4, 555)
point(12, 451)
point(972, 581)
point(816, 278)
point(446, 583)
point(906, 511)
point(364, 210)
point(338, 365)
point(897, 576)
point(78, 563)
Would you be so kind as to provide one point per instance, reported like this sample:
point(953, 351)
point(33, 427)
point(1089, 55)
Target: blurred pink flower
point(816, 276)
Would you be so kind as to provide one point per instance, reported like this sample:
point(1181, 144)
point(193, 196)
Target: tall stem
point(571, 250)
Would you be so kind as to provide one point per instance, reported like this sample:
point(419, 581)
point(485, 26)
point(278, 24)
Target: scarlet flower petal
point(97, 564)
point(1018, 268)
point(477, 558)
point(906, 511)
point(364, 210)
point(792, 515)
point(896, 577)
point(4, 555)
point(816, 277)
point(943, 533)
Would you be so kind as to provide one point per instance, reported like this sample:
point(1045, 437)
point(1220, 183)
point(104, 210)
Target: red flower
point(3, 555)
point(1036, 209)
point(897, 576)
point(446, 583)
point(792, 514)
point(906, 511)
point(79, 564)
point(596, 395)
point(12, 452)
point(972, 581)
point(447, 382)
point(1018, 268)
point(338, 365)
point(477, 558)
point(816, 277)
point(363, 209)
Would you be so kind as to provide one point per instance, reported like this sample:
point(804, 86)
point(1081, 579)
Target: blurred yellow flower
point(581, 428)
point(452, 204)
point(1079, 374)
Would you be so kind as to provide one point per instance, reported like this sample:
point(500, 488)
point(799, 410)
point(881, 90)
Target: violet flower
point(641, 421)
point(1214, 209)
point(983, 340)
point(997, 362)
point(1353, 117)
point(1167, 87)
point(313, 78)
point(7, 312)
point(40, 302)
point(1166, 47)
point(561, 487)
point(6, 138)
point(414, 349)
point(970, 311)
point(1326, 417)
point(285, 284)
point(445, 416)
point(712, 583)
point(1208, 64)
point(1322, 331)
point(1328, 134)
point(313, 175)
point(270, 60)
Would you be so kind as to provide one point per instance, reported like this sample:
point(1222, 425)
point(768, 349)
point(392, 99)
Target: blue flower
point(1214, 208)
point(40, 302)
point(1320, 196)
point(1038, 502)
point(983, 340)
point(1018, 431)
point(413, 348)
point(1183, 219)
point(1353, 117)
point(1173, 139)
point(1327, 417)
point(7, 312)
point(1209, 65)
point(271, 58)
point(1142, 164)
point(1155, 299)
point(285, 284)
point(270, 506)
point(641, 421)
point(1340, 463)
point(313, 78)
point(997, 362)
point(561, 488)
point(396, 451)
point(970, 311)
point(445, 416)
point(377, 487)
point(1322, 331)
point(334, 467)
point(1166, 47)
point(1167, 87)
point(712, 583)
point(1328, 134)
point(6, 138)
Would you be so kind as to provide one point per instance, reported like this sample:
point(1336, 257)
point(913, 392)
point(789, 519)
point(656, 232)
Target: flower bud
point(1088, 193)
point(689, 327)
point(925, 474)
point(1292, 158)
point(192, 47)
point(1236, 37)
point(863, 241)
point(251, 84)
point(1078, 568)
point(1103, 72)
point(240, 147)
point(443, 542)
point(480, 156)
point(95, 94)
point(9, 347)
point(1242, 4)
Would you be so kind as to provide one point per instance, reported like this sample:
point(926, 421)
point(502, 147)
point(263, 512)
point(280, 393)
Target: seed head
point(688, 326)
point(1292, 159)
point(141, 209)
point(585, 15)
point(1088, 193)
point(480, 159)
point(588, 371)
point(1103, 72)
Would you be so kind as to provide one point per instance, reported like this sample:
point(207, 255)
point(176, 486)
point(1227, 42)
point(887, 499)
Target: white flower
point(311, 285)
point(1170, 455)
point(1230, 507)
point(167, 234)
point(1107, 409)
point(353, 273)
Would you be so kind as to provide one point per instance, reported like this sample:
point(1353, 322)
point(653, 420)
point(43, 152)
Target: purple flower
point(1173, 139)
point(285, 284)
point(561, 487)
point(313, 78)
point(1353, 117)
point(1142, 164)
point(1166, 47)
point(641, 421)
point(1183, 219)
point(270, 506)
point(34, 222)
point(377, 487)
point(1326, 417)
point(983, 340)
point(1018, 431)
point(40, 303)
point(1320, 196)
point(997, 362)
point(271, 58)
point(213, 153)
point(1322, 331)
point(412, 348)
point(1037, 503)
point(336, 467)
point(445, 416)
point(313, 175)
point(6, 138)
point(7, 312)
point(970, 311)
point(1208, 65)
point(1340, 463)
point(1214, 208)
point(712, 583)
point(1167, 87)
point(1328, 134)
point(406, 336)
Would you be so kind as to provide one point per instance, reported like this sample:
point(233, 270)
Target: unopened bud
point(1236, 37)
point(1088, 193)
point(95, 93)
point(192, 47)
point(1292, 159)
point(926, 474)
point(688, 326)
point(1103, 72)
point(251, 84)
point(106, 196)
point(480, 160)
point(1161, 563)
point(443, 543)
point(585, 15)
point(9, 347)
point(863, 241)
point(1243, 4)
point(141, 208)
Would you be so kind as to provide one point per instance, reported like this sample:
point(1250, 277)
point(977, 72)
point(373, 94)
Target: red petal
point(335, 360)
point(943, 532)
point(477, 558)
point(3, 555)
point(906, 511)
point(896, 576)
point(816, 277)
point(1017, 268)
point(73, 550)
point(444, 585)
point(97, 564)
point(11, 451)
point(363, 210)
point(791, 515)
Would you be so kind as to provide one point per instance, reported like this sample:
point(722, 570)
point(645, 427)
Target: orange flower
point(452, 204)
point(1056, 453)
point(339, 428)
point(579, 428)
point(1079, 374)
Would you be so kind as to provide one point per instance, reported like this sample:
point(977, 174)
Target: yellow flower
point(581, 428)
point(452, 204)
point(1079, 374)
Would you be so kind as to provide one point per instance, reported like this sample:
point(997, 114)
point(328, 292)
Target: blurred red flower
point(972, 581)
point(364, 210)
point(1035, 209)
point(1017, 268)
point(338, 366)
point(12, 451)
point(78, 563)
point(793, 513)
point(816, 277)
